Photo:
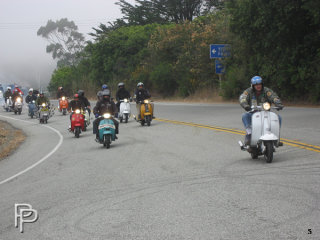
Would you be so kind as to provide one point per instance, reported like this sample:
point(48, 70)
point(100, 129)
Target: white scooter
point(86, 119)
point(18, 105)
point(8, 104)
point(125, 110)
point(265, 135)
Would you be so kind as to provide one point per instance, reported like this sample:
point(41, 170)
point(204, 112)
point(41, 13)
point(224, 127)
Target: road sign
point(219, 50)
point(220, 68)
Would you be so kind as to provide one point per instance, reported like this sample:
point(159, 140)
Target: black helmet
point(81, 93)
point(121, 84)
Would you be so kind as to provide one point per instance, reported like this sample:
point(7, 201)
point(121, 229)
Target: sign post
point(217, 52)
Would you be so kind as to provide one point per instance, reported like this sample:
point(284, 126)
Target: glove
point(96, 115)
point(247, 108)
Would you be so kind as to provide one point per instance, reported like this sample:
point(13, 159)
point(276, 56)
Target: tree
point(65, 41)
point(160, 11)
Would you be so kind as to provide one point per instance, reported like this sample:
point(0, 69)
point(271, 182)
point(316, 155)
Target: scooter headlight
point(77, 111)
point(146, 101)
point(107, 115)
point(43, 104)
point(125, 100)
point(19, 100)
point(266, 106)
point(63, 98)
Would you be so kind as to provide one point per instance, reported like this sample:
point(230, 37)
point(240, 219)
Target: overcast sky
point(23, 57)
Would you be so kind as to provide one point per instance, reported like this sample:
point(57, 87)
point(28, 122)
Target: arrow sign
point(219, 50)
point(220, 68)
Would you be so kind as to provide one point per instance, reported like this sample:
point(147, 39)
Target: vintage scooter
point(77, 123)
point(125, 110)
point(63, 105)
point(107, 130)
point(265, 135)
point(146, 112)
point(44, 113)
point(32, 108)
point(18, 105)
point(8, 104)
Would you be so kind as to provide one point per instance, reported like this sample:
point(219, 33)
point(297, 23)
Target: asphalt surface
point(167, 181)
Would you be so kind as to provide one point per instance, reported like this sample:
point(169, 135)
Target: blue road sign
point(219, 50)
point(220, 68)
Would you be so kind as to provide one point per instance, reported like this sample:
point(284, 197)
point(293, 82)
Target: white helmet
point(31, 90)
point(139, 84)
point(9, 88)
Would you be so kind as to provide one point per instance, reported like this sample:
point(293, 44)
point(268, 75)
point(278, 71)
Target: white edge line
point(42, 159)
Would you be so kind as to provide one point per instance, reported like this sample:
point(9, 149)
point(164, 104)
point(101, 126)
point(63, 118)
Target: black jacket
point(84, 101)
point(7, 94)
point(75, 104)
point(105, 106)
point(122, 93)
point(141, 95)
point(30, 98)
point(60, 94)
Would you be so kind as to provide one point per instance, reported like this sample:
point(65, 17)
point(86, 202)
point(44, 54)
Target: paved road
point(167, 181)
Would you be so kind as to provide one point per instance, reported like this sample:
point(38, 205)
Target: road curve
point(167, 181)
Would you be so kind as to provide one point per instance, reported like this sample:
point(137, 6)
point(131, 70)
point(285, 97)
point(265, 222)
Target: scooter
point(265, 135)
point(32, 108)
point(125, 110)
point(8, 104)
point(77, 123)
point(44, 113)
point(18, 105)
point(146, 112)
point(63, 105)
point(107, 130)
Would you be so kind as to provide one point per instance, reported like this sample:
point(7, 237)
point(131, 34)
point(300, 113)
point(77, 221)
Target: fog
point(23, 57)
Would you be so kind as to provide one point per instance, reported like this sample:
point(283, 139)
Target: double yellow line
point(289, 142)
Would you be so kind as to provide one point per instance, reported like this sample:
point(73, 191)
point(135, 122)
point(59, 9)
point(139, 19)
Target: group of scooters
point(42, 112)
point(80, 120)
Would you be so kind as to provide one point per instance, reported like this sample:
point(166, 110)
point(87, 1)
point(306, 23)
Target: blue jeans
point(246, 119)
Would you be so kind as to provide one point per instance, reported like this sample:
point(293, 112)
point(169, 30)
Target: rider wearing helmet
point(122, 93)
point(16, 94)
point(256, 95)
point(140, 95)
point(8, 93)
point(31, 97)
point(16, 88)
point(99, 94)
point(76, 104)
point(105, 105)
point(60, 93)
point(84, 101)
point(42, 99)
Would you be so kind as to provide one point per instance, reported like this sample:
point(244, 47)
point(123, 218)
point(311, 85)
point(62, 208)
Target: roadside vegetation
point(10, 139)
point(165, 44)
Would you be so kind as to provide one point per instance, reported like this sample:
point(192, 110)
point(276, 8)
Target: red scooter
point(77, 123)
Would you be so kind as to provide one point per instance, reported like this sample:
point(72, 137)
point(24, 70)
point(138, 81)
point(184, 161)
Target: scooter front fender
point(269, 137)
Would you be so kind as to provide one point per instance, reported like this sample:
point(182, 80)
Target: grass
point(10, 139)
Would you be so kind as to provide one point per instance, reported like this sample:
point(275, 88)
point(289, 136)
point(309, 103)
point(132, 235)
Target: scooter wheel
point(268, 154)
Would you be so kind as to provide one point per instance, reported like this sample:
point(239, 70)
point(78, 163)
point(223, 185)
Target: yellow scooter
point(146, 112)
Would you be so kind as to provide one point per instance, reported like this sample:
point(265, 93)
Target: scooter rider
point(254, 96)
point(104, 106)
point(99, 94)
point(8, 93)
point(31, 97)
point(122, 93)
point(42, 99)
point(60, 93)
point(140, 95)
point(84, 101)
point(15, 95)
point(75, 104)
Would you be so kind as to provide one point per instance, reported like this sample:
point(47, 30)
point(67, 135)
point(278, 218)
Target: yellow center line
point(289, 142)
